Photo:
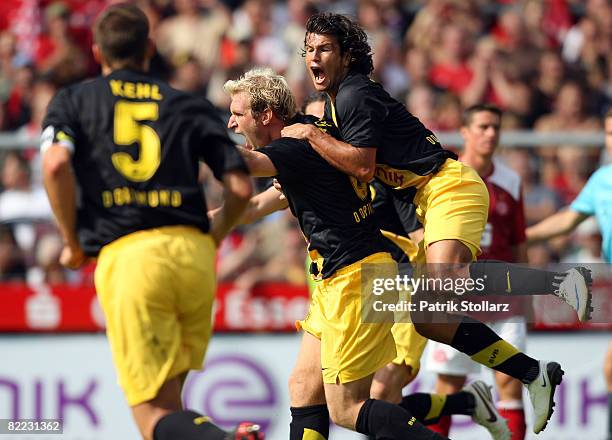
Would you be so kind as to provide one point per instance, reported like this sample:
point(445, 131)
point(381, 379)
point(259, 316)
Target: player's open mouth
point(318, 75)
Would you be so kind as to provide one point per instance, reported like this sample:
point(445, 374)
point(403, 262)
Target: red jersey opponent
point(503, 239)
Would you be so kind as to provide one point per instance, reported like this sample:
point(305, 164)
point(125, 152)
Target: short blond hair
point(266, 89)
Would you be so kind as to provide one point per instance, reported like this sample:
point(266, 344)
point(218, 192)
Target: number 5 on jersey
point(128, 130)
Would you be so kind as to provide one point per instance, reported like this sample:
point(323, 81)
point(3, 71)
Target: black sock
point(428, 408)
point(484, 346)
point(187, 425)
point(501, 278)
point(384, 420)
point(306, 419)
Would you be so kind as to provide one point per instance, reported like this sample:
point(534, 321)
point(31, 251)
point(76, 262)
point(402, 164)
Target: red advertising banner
point(269, 307)
point(70, 308)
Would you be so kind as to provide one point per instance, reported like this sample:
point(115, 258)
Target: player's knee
point(305, 387)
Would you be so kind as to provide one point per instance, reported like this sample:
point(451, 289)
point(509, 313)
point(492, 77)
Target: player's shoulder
point(506, 178)
point(290, 143)
point(354, 86)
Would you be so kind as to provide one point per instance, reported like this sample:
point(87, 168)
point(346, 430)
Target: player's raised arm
point(359, 162)
point(561, 223)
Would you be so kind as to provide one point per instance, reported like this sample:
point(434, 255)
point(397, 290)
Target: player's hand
point(73, 257)
point(213, 213)
point(279, 188)
point(297, 131)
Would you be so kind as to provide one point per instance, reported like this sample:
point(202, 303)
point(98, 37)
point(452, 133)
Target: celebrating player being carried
point(132, 146)
point(379, 138)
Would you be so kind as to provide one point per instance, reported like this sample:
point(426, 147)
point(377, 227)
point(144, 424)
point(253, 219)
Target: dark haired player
point(381, 139)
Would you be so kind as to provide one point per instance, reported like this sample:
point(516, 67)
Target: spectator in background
point(416, 67)
point(21, 203)
point(548, 81)
point(450, 70)
point(18, 103)
point(572, 170)
point(495, 78)
point(48, 268)
point(188, 76)
point(58, 54)
point(436, 15)
point(272, 251)
point(421, 102)
point(448, 112)
point(42, 92)
point(253, 21)
point(12, 266)
point(540, 201)
point(386, 53)
point(7, 64)
point(20, 200)
point(588, 43)
point(193, 32)
point(514, 39)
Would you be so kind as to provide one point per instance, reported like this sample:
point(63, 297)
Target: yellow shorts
point(156, 288)
point(453, 204)
point(408, 343)
point(350, 349)
point(404, 243)
point(409, 346)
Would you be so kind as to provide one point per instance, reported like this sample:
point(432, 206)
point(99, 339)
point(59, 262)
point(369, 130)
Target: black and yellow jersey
point(366, 116)
point(333, 209)
point(395, 217)
point(136, 147)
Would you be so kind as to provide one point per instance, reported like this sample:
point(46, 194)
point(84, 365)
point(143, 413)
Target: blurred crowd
point(546, 63)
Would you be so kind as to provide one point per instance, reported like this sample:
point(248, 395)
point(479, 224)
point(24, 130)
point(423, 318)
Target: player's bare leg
point(147, 414)
point(306, 393)
point(306, 380)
